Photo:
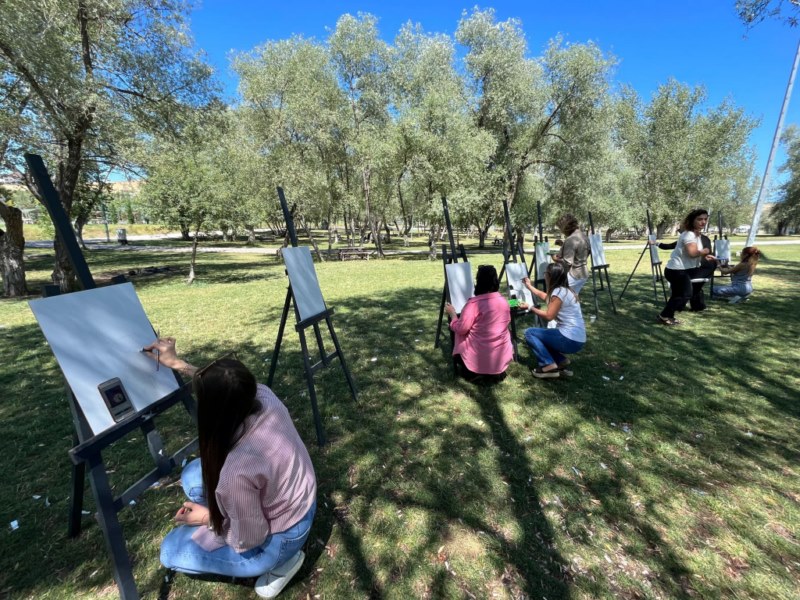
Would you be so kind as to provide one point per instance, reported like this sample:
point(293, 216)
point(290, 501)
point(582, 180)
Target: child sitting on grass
point(741, 277)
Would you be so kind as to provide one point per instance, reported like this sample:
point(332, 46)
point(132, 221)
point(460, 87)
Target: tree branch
point(52, 106)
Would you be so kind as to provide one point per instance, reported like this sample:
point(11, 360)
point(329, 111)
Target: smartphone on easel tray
point(116, 399)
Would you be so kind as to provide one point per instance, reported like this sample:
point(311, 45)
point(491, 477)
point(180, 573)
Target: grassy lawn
point(666, 467)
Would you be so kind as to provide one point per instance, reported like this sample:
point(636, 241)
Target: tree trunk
point(388, 232)
point(191, 278)
point(365, 176)
point(312, 240)
point(251, 234)
point(67, 180)
point(80, 222)
point(185, 232)
point(331, 229)
point(12, 247)
point(609, 231)
point(482, 236)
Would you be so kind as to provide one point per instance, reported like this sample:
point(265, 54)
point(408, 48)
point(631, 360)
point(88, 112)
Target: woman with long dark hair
point(252, 492)
point(550, 345)
point(482, 341)
point(686, 257)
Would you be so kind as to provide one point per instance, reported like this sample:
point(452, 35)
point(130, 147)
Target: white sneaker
point(269, 585)
point(735, 300)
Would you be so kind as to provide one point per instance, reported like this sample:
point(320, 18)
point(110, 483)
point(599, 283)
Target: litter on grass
point(14, 525)
point(606, 378)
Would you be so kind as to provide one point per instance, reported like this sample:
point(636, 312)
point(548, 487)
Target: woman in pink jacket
point(483, 343)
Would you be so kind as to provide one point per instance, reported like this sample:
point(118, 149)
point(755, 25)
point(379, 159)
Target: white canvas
point(303, 278)
point(97, 335)
point(598, 252)
point(459, 284)
point(516, 272)
point(654, 258)
point(542, 257)
point(723, 250)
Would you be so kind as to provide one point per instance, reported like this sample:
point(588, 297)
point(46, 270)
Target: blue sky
point(698, 42)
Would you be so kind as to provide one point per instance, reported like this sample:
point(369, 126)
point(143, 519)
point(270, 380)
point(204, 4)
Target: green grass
point(666, 467)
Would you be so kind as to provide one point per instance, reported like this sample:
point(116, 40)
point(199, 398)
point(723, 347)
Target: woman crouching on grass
point(482, 348)
point(252, 492)
point(568, 337)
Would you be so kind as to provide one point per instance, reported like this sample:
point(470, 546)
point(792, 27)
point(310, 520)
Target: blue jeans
point(180, 552)
point(735, 289)
point(550, 345)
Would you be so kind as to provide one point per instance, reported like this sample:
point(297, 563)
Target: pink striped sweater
point(267, 483)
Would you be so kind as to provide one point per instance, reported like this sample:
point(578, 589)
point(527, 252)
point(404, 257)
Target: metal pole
point(751, 236)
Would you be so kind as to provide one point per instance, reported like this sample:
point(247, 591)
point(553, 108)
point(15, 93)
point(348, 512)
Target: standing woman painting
point(687, 255)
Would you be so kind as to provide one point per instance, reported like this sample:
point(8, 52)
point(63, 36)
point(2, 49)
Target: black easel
point(89, 447)
point(538, 278)
point(448, 258)
point(655, 267)
point(301, 326)
point(601, 270)
point(511, 248)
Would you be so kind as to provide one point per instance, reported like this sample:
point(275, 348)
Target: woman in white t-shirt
point(549, 345)
point(687, 255)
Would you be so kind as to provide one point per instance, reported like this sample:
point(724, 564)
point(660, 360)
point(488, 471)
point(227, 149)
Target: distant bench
point(355, 254)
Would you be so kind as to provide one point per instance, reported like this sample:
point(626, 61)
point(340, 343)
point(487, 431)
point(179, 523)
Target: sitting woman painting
point(482, 341)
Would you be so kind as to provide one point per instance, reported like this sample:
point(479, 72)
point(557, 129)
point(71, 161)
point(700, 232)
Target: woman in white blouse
point(687, 255)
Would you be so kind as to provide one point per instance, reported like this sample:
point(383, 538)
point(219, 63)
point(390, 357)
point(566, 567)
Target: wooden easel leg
point(281, 327)
point(594, 293)
point(339, 352)
point(76, 497)
point(514, 338)
point(112, 530)
point(311, 389)
point(610, 295)
point(661, 279)
point(636, 266)
point(654, 273)
point(82, 432)
point(156, 448)
point(441, 316)
point(322, 354)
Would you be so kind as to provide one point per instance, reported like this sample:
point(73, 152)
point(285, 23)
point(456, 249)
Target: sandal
point(668, 321)
point(539, 374)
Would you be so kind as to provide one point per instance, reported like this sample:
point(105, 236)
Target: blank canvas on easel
point(459, 284)
point(97, 335)
point(303, 277)
point(723, 250)
point(654, 258)
point(598, 252)
point(516, 272)
point(542, 253)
